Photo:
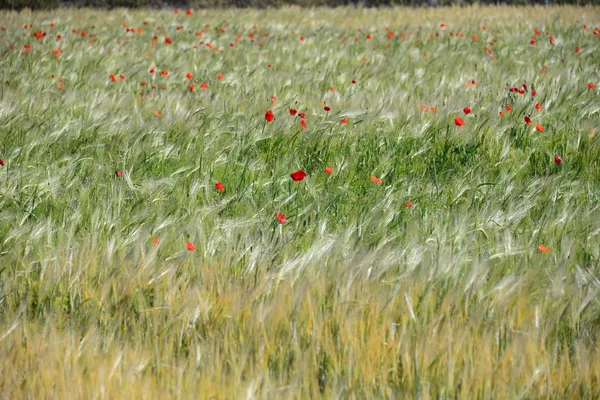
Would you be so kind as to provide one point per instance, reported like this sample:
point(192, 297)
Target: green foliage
point(435, 260)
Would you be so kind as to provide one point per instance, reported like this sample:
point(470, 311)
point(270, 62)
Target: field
point(300, 203)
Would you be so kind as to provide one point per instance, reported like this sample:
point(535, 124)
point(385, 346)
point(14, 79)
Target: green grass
point(356, 295)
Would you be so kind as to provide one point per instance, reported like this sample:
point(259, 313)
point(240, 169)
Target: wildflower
point(190, 246)
point(544, 249)
point(328, 170)
point(458, 121)
point(269, 116)
point(303, 125)
point(557, 160)
point(298, 175)
point(219, 186)
point(280, 218)
point(376, 179)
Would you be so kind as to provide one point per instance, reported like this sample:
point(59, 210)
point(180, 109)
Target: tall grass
point(359, 294)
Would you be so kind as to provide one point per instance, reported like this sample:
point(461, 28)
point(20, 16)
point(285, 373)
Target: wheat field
point(341, 203)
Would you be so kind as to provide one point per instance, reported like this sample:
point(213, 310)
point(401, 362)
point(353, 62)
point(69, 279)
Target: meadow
point(300, 203)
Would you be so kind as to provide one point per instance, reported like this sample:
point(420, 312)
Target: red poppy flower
point(543, 249)
point(191, 87)
point(534, 93)
point(121, 76)
point(302, 115)
point(508, 108)
point(293, 111)
point(204, 86)
point(152, 70)
point(1, 163)
point(538, 106)
point(155, 240)
point(269, 116)
point(219, 186)
point(409, 204)
point(119, 174)
point(189, 76)
point(527, 120)
point(577, 49)
point(164, 73)
point(220, 76)
point(188, 12)
point(280, 218)
point(557, 160)
point(539, 128)
point(376, 179)
point(591, 86)
point(303, 125)
point(344, 121)
point(190, 246)
point(327, 108)
point(157, 113)
point(298, 175)
point(168, 40)
point(458, 121)
point(113, 77)
point(467, 110)
point(353, 81)
point(328, 170)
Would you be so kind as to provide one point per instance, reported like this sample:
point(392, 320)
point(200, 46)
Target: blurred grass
point(357, 295)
